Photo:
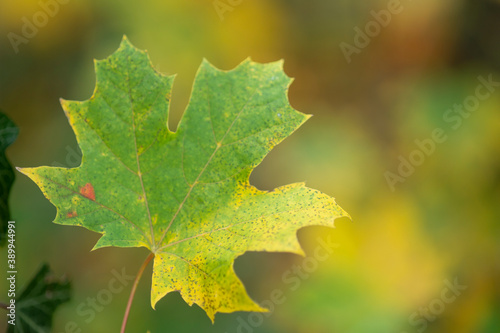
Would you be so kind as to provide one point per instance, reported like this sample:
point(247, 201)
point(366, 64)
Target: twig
point(132, 292)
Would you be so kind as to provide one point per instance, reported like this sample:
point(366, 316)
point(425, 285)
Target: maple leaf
point(184, 195)
point(8, 134)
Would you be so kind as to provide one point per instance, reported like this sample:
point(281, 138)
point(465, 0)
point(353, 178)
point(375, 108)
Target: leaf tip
point(154, 300)
point(346, 214)
point(126, 44)
point(206, 64)
point(306, 116)
point(125, 41)
point(280, 63)
point(341, 213)
point(65, 104)
point(25, 171)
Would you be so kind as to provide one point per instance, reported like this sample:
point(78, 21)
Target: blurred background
point(410, 239)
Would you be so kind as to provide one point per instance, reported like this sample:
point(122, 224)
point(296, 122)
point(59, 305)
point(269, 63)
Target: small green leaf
point(184, 195)
point(8, 134)
point(37, 303)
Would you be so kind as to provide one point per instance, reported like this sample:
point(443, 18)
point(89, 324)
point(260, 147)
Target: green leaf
point(184, 195)
point(8, 134)
point(37, 303)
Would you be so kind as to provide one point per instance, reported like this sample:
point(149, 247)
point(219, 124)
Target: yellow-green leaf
point(184, 195)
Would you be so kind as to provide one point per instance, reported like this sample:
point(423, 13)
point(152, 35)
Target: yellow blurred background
point(422, 252)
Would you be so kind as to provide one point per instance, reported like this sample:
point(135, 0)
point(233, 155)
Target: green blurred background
point(441, 224)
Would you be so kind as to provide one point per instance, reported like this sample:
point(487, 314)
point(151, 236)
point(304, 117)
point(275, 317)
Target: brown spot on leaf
point(71, 214)
point(88, 191)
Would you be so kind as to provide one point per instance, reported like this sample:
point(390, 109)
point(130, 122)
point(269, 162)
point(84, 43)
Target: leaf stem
point(132, 292)
point(3, 306)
